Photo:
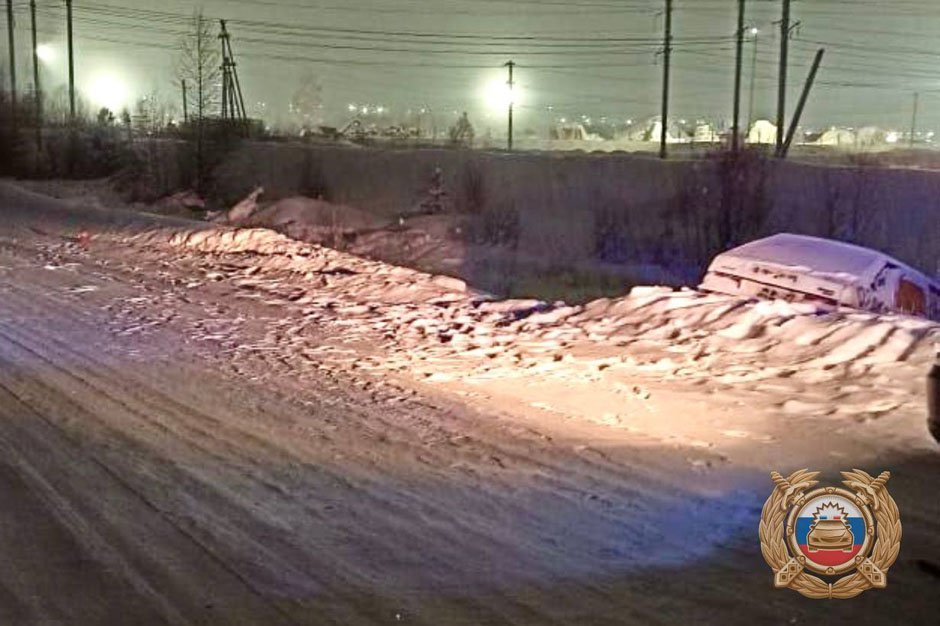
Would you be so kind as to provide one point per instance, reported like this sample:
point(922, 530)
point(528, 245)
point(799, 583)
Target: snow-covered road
point(240, 429)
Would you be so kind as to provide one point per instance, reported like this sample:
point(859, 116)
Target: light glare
point(499, 96)
point(45, 52)
point(107, 90)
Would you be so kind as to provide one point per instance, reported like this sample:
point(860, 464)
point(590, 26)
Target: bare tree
point(199, 64)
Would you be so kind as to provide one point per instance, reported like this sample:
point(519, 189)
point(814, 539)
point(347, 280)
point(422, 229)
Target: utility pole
point(200, 103)
point(913, 120)
point(68, 9)
point(12, 65)
point(750, 102)
point(227, 107)
point(782, 86)
point(225, 87)
point(37, 91)
point(739, 51)
point(667, 53)
point(185, 102)
point(510, 83)
point(802, 103)
point(233, 105)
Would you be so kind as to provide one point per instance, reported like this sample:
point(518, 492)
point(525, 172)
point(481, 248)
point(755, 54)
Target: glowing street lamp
point(46, 53)
point(107, 90)
point(502, 95)
point(498, 95)
point(750, 103)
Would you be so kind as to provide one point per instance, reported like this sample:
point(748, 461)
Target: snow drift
point(708, 328)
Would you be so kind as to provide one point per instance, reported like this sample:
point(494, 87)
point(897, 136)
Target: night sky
point(583, 57)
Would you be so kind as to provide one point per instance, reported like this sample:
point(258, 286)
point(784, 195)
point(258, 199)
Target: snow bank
point(676, 367)
point(276, 252)
point(710, 332)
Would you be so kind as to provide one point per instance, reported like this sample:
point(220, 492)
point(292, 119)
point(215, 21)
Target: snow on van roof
point(814, 253)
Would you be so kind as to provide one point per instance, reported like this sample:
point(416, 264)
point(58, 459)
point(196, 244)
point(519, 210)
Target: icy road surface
point(236, 429)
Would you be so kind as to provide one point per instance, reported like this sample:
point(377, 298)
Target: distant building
point(705, 133)
point(838, 137)
point(651, 130)
point(762, 131)
point(572, 132)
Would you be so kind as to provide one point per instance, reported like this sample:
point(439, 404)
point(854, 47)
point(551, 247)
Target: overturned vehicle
point(829, 273)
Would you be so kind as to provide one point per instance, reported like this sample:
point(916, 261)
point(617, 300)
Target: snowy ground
point(304, 436)
point(764, 374)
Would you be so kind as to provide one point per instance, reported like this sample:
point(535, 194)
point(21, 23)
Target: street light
point(45, 52)
point(108, 90)
point(499, 95)
point(750, 104)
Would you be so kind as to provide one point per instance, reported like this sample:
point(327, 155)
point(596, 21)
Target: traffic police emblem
point(830, 542)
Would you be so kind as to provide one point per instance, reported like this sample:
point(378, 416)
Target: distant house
point(705, 133)
point(651, 130)
point(762, 131)
point(840, 137)
point(572, 132)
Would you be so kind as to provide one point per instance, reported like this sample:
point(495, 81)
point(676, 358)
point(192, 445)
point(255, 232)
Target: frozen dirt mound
point(301, 218)
point(427, 241)
point(301, 212)
point(379, 281)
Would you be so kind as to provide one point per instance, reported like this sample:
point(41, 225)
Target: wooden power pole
point(750, 100)
point(782, 77)
point(185, 102)
point(12, 42)
point(37, 90)
point(510, 84)
point(798, 114)
point(233, 104)
point(739, 51)
point(667, 53)
point(68, 9)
